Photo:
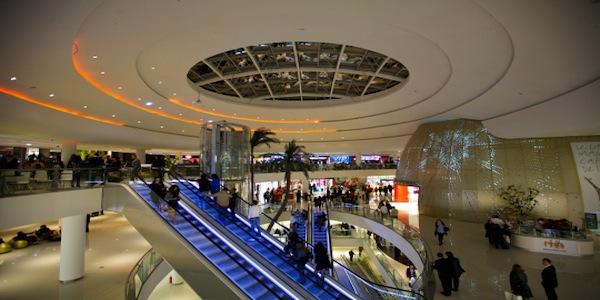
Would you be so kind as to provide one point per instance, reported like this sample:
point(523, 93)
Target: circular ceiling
point(294, 72)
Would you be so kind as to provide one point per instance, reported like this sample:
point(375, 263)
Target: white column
point(358, 158)
point(175, 278)
point(72, 248)
point(66, 150)
point(141, 155)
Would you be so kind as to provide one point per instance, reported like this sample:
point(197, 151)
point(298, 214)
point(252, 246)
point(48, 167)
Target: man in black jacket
point(444, 269)
point(549, 281)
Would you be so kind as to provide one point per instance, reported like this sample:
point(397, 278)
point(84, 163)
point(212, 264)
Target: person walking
point(440, 230)
point(136, 167)
point(254, 211)
point(549, 280)
point(518, 282)
point(411, 274)
point(159, 191)
point(351, 254)
point(456, 268)
point(444, 270)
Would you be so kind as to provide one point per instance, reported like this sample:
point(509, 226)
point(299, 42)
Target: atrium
point(385, 116)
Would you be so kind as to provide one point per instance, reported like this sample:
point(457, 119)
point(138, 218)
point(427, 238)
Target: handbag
point(510, 296)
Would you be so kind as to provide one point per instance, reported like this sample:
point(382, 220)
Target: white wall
point(34, 208)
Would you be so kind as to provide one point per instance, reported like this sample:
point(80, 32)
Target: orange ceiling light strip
point(216, 114)
point(53, 106)
point(90, 79)
point(304, 131)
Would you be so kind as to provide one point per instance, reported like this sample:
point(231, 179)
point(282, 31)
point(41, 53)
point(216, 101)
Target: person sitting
point(44, 233)
point(23, 236)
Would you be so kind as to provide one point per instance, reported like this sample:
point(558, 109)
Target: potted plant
point(519, 202)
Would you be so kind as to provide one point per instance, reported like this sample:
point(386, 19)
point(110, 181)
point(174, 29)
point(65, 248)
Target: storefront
point(320, 186)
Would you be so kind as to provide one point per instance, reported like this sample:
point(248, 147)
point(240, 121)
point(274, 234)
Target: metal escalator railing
point(409, 233)
point(240, 270)
point(383, 291)
point(269, 251)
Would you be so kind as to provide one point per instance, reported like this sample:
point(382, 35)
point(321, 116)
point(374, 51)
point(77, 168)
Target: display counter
point(560, 246)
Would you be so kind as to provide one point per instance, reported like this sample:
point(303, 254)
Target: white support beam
point(337, 68)
point(210, 65)
point(374, 75)
point(262, 75)
point(298, 70)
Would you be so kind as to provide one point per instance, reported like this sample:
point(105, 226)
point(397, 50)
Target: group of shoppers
point(449, 268)
point(519, 285)
point(449, 271)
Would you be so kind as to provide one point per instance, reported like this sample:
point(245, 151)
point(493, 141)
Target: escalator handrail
point(198, 193)
point(224, 251)
point(368, 282)
point(426, 259)
point(329, 231)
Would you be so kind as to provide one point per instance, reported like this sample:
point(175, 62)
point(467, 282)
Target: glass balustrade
point(140, 273)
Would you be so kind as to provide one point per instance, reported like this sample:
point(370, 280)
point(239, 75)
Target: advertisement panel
point(587, 159)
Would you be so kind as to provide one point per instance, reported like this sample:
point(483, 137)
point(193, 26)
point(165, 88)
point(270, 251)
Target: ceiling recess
point(292, 72)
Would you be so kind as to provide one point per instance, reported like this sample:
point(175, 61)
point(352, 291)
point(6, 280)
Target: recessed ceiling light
point(94, 56)
point(182, 130)
point(51, 95)
point(13, 78)
point(28, 144)
point(113, 116)
point(174, 94)
point(85, 106)
point(119, 88)
point(153, 68)
point(102, 72)
point(321, 139)
point(139, 122)
point(160, 82)
point(160, 107)
point(180, 114)
point(258, 117)
point(139, 98)
point(234, 114)
point(162, 126)
point(213, 109)
point(210, 121)
point(343, 138)
point(149, 103)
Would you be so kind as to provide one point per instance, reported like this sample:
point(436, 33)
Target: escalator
point(266, 247)
point(245, 275)
point(270, 248)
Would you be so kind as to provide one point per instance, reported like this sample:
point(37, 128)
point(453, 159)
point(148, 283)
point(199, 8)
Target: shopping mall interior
point(312, 150)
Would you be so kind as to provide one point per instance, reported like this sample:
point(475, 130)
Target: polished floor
point(488, 268)
point(113, 248)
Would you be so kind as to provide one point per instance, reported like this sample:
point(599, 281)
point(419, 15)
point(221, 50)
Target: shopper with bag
point(440, 230)
point(518, 284)
point(457, 270)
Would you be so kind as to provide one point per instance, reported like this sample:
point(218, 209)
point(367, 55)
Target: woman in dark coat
point(322, 262)
point(518, 283)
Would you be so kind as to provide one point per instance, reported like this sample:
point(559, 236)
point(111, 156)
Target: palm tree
point(293, 160)
point(261, 136)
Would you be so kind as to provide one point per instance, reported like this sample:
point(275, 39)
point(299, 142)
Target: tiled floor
point(113, 248)
point(488, 268)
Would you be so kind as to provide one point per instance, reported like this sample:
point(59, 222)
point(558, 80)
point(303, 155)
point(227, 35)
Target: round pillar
point(66, 150)
point(72, 248)
point(141, 155)
point(358, 158)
